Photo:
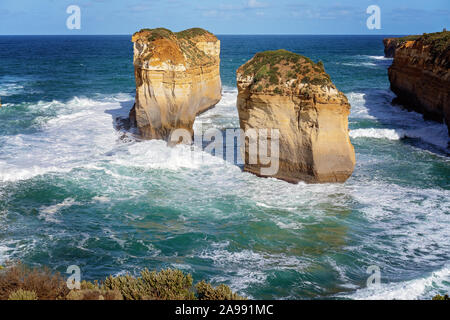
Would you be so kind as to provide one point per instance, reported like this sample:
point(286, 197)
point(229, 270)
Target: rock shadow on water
point(122, 122)
point(412, 128)
point(223, 154)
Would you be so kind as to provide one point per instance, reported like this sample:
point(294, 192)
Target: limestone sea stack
point(420, 74)
point(289, 92)
point(177, 77)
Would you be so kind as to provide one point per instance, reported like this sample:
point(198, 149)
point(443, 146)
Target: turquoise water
point(75, 190)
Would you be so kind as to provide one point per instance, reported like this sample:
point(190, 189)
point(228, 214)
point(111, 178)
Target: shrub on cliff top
point(222, 292)
point(165, 285)
point(273, 58)
point(192, 33)
point(439, 42)
point(180, 48)
point(163, 33)
point(159, 33)
point(272, 68)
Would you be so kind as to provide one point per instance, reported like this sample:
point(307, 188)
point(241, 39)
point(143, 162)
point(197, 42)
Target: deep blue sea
point(74, 191)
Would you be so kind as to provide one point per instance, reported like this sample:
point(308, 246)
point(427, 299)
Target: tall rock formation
point(177, 77)
point(286, 91)
point(420, 74)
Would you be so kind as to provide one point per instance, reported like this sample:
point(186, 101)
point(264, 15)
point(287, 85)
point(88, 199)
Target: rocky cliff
point(390, 44)
point(177, 77)
point(285, 91)
point(420, 74)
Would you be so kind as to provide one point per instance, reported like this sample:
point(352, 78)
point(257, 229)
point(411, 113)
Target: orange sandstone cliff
point(390, 44)
point(177, 77)
point(285, 91)
point(420, 74)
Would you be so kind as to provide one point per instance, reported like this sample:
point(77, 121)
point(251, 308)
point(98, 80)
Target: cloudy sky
point(225, 16)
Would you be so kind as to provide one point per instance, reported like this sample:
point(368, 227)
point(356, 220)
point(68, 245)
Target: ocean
point(76, 190)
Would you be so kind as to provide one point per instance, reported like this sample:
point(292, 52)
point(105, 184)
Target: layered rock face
point(390, 44)
point(177, 77)
point(420, 74)
point(285, 91)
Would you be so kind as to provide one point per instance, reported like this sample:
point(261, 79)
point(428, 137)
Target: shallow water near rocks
point(73, 190)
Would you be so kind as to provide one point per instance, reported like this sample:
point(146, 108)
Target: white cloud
point(210, 13)
point(326, 13)
point(255, 4)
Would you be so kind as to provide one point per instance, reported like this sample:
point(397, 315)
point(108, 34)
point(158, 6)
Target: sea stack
point(420, 74)
point(289, 92)
point(177, 78)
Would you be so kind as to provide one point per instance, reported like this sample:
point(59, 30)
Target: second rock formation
point(289, 92)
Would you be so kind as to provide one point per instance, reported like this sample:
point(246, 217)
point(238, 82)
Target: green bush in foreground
point(22, 283)
point(164, 285)
point(206, 292)
point(439, 297)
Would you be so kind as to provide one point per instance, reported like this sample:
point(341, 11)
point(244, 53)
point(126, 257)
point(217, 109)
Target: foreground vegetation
point(19, 282)
point(439, 297)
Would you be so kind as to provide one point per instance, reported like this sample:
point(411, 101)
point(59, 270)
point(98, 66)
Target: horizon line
point(223, 34)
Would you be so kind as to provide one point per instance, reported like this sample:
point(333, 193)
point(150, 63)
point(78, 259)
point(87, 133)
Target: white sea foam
point(390, 134)
point(81, 132)
point(9, 89)
point(9, 248)
point(224, 115)
point(101, 199)
point(380, 58)
point(247, 267)
point(423, 288)
point(12, 85)
point(3, 253)
point(359, 64)
point(376, 105)
point(48, 213)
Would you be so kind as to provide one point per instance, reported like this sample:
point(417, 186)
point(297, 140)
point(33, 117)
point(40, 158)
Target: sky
point(48, 17)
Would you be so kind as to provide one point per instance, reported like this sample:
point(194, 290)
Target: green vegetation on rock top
point(439, 42)
point(191, 33)
point(273, 58)
point(163, 33)
point(158, 33)
point(185, 41)
point(273, 68)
